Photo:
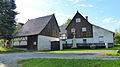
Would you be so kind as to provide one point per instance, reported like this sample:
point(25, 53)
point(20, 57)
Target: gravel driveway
point(10, 60)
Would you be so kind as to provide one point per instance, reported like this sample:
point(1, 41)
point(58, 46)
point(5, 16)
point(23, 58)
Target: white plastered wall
point(44, 42)
point(107, 35)
point(97, 31)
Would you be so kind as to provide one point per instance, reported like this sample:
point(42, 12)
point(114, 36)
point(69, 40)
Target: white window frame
point(78, 20)
point(73, 30)
point(84, 29)
point(101, 39)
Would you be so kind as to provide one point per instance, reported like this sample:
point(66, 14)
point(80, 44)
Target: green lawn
point(83, 50)
point(42, 62)
point(63, 51)
point(113, 54)
point(4, 50)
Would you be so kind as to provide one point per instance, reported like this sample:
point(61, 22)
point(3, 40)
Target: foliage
point(92, 46)
point(18, 26)
point(7, 19)
point(43, 62)
point(5, 48)
point(117, 37)
point(113, 54)
point(67, 22)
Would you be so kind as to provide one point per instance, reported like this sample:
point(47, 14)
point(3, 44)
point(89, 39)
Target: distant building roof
point(63, 29)
point(102, 28)
point(34, 26)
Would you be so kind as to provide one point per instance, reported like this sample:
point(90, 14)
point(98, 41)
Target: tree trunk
point(8, 43)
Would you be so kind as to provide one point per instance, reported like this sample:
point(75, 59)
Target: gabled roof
point(74, 18)
point(34, 26)
point(63, 29)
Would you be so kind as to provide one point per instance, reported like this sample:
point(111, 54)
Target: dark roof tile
point(34, 26)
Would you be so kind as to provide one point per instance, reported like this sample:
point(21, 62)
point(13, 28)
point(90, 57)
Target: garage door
point(55, 45)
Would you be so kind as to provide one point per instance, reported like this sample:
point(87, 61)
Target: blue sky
point(104, 13)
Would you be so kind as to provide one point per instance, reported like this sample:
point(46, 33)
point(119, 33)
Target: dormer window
point(78, 20)
point(84, 29)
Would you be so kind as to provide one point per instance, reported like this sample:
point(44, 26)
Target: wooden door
point(55, 45)
point(32, 42)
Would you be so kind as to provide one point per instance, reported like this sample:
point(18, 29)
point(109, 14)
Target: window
point(84, 41)
point(84, 29)
point(78, 20)
point(73, 30)
point(63, 36)
point(34, 43)
point(101, 39)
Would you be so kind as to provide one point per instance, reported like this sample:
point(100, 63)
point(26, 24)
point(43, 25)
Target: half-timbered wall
point(20, 41)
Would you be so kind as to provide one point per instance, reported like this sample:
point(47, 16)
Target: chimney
point(86, 18)
point(28, 19)
point(21, 24)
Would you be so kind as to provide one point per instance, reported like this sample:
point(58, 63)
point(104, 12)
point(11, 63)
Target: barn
point(38, 34)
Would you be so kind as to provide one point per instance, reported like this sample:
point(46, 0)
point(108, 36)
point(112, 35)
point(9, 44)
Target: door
point(55, 45)
point(32, 42)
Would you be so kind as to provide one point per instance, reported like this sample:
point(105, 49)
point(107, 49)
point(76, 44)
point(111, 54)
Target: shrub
point(92, 46)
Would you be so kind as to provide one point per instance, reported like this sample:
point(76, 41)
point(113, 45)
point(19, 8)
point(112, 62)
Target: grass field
point(83, 50)
point(62, 51)
point(4, 50)
point(113, 54)
point(41, 62)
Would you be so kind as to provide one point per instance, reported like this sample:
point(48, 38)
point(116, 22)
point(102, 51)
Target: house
point(85, 33)
point(38, 33)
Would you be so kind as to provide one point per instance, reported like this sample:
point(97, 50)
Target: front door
point(32, 42)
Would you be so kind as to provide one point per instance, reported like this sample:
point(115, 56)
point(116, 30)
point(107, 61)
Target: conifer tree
point(7, 19)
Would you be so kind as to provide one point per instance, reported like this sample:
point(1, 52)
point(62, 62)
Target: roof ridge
point(40, 17)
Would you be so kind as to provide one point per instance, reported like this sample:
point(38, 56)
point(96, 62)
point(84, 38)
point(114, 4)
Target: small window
point(63, 36)
point(84, 41)
point(101, 40)
point(73, 30)
point(84, 29)
point(34, 43)
point(78, 20)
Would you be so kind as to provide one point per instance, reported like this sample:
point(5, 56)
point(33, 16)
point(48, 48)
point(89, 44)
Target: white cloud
point(96, 18)
point(108, 20)
point(118, 21)
point(27, 9)
point(66, 5)
point(61, 17)
point(86, 5)
point(75, 1)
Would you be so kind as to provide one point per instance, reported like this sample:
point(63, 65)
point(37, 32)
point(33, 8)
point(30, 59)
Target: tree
point(117, 36)
point(7, 19)
point(67, 22)
point(18, 27)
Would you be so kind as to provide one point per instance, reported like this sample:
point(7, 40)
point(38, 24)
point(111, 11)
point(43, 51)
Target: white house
point(85, 33)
